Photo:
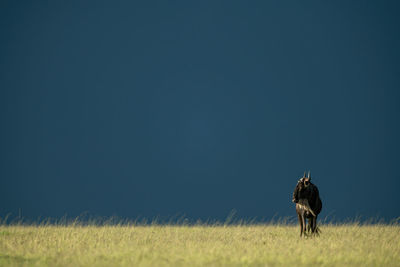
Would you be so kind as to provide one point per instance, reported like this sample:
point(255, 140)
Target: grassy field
point(198, 245)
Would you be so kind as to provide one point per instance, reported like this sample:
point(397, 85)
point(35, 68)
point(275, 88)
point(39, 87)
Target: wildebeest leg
point(303, 217)
point(315, 229)
point(301, 223)
point(310, 224)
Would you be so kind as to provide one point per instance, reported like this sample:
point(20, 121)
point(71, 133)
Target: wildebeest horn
point(309, 175)
point(304, 174)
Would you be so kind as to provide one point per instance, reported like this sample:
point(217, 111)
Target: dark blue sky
point(194, 107)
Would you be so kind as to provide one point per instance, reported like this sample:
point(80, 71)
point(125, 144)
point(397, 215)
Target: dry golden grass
point(198, 245)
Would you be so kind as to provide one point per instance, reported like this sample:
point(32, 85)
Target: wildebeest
point(308, 204)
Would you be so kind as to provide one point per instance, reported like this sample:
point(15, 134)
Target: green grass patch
point(198, 245)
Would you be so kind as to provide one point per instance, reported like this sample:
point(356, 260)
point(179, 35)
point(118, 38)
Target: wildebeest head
point(305, 181)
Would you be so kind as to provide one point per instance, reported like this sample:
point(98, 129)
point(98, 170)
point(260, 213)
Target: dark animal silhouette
point(308, 204)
